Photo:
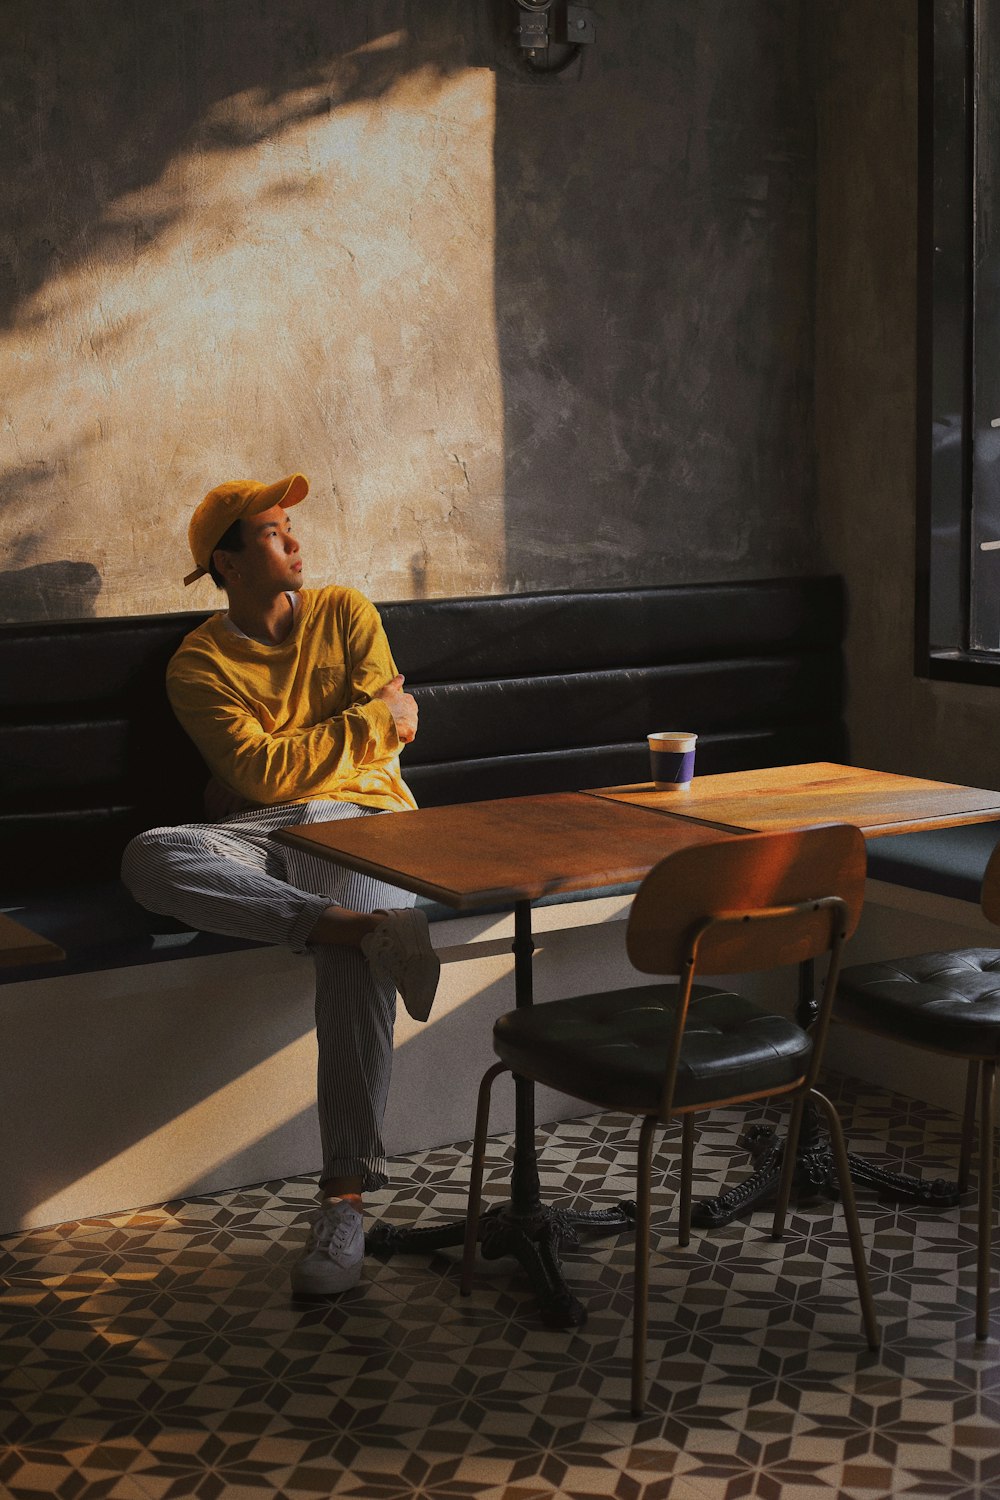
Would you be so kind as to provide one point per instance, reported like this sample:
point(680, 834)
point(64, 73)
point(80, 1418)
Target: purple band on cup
point(672, 765)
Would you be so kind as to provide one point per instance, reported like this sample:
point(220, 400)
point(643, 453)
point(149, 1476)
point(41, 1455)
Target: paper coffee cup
point(671, 759)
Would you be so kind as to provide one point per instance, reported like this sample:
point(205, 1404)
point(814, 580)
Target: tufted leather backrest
point(518, 694)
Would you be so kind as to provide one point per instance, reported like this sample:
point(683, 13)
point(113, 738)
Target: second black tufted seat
point(947, 1003)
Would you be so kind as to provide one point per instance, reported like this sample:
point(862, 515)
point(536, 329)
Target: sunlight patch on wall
point(306, 286)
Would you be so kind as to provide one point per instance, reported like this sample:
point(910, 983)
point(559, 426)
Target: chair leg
point(640, 1306)
point(968, 1126)
point(687, 1168)
point(987, 1158)
point(476, 1175)
point(788, 1167)
point(851, 1215)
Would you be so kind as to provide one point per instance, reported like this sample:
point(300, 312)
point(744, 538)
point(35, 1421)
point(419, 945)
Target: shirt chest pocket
point(327, 691)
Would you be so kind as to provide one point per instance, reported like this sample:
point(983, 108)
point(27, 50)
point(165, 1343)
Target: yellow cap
point(231, 502)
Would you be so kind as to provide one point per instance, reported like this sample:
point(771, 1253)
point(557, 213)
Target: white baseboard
point(133, 1086)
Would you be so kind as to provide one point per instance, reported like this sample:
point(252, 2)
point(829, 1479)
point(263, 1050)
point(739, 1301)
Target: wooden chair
point(948, 1003)
point(747, 903)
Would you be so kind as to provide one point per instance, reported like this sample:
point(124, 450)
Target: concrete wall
point(654, 274)
point(517, 333)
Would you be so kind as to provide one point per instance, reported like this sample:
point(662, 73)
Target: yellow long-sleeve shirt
point(295, 722)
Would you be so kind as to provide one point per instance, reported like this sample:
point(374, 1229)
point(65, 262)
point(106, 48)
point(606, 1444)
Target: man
point(293, 699)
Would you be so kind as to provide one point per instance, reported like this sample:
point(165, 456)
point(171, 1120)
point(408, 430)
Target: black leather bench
point(518, 694)
point(944, 861)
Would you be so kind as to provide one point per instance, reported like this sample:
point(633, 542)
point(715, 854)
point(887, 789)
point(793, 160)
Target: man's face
point(270, 562)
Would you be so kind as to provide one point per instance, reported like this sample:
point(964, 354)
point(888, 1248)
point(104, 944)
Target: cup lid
point(679, 738)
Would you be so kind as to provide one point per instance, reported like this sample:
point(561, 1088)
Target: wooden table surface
point(878, 802)
point(19, 945)
point(473, 854)
point(513, 849)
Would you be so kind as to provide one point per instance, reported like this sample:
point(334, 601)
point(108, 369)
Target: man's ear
point(223, 564)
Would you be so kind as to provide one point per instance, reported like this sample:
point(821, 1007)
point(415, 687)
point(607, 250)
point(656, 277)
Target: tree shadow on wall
point(49, 591)
point(100, 104)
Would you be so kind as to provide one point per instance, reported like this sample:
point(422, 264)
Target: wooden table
point(514, 850)
point(19, 945)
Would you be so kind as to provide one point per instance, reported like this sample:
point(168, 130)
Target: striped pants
point(233, 878)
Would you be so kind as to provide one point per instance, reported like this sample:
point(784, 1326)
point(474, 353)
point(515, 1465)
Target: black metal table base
point(815, 1176)
point(525, 1227)
point(533, 1239)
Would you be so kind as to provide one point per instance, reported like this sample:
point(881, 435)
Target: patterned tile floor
point(158, 1354)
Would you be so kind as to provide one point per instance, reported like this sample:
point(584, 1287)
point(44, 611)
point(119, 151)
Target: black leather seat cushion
point(946, 1001)
point(101, 927)
point(611, 1048)
point(947, 861)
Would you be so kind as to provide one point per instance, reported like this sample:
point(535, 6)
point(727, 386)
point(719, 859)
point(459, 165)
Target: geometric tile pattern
point(158, 1354)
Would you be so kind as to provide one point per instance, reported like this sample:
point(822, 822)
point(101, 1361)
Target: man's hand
point(402, 706)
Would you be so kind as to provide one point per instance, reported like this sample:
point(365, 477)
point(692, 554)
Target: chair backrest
point(990, 897)
point(689, 891)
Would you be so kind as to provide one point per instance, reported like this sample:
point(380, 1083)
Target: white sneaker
point(333, 1253)
point(399, 949)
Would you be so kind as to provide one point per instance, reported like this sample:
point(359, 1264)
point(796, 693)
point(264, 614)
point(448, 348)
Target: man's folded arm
point(288, 766)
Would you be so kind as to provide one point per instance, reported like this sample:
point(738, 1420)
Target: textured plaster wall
point(655, 300)
point(866, 395)
point(517, 334)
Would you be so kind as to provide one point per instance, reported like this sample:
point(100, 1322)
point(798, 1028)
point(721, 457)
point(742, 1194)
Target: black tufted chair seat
point(947, 1003)
point(612, 1049)
point(736, 905)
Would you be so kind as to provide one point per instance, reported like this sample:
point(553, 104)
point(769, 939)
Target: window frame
point(948, 114)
